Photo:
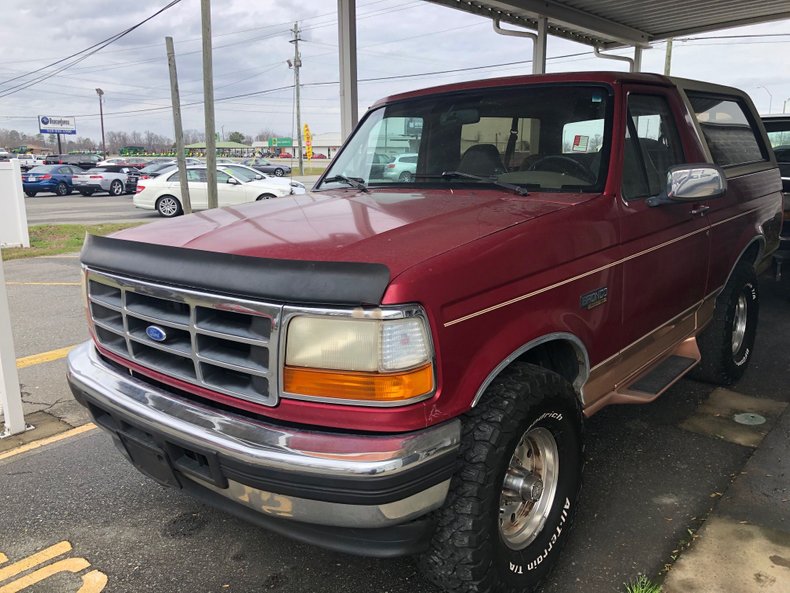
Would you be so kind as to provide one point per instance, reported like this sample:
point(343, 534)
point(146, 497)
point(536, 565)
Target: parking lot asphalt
point(649, 484)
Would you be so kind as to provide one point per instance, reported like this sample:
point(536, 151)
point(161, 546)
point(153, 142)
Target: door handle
point(700, 210)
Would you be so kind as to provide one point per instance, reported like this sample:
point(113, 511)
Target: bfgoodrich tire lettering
point(471, 551)
point(727, 344)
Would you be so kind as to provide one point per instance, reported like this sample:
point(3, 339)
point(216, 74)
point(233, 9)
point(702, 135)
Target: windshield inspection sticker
point(580, 143)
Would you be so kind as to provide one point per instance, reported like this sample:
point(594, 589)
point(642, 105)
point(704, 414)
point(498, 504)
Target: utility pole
point(60, 148)
point(668, 57)
point(208, 105)
point(176, 100)
point(101, 118)
point(297, 64)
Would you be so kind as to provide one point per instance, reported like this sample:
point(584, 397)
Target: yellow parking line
point(28, 361)
point(53, 439)
point(43, 284)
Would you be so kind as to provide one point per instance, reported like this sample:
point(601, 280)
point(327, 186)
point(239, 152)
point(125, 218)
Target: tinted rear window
point(730, 135)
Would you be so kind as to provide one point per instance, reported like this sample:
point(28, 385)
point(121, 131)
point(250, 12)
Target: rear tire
point(503, 536)
point(169, 206)
point(279, 172)
point(31, 194)
point(265, 197)
point(62, 189)
point(116, 188)
point(406, 177)
point(727, 344)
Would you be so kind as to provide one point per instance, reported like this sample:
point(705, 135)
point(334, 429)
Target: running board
point(658, 380)
point(647, 384)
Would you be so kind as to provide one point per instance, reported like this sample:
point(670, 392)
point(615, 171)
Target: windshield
point(548, 137)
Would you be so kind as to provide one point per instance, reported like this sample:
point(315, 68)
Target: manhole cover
point(749, 419)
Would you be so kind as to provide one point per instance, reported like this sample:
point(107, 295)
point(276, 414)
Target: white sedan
point(163, 193)
point(249, 174)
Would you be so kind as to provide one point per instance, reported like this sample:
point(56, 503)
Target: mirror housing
point(233, 181)
point(692, 183)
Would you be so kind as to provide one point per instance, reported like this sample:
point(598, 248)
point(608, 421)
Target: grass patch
point(642, 585)
point(54, 239)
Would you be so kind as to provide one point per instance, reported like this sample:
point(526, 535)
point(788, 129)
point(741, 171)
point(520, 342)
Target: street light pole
point(101, 117)
point(770, 98)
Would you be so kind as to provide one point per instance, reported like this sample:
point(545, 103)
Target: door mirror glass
point(691, 183)
point(233, 181)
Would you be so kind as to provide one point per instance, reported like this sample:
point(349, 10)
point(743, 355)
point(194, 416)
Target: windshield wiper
point(522, 191)
point(355, 182)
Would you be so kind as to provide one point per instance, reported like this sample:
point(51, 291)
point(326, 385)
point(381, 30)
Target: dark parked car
point(50, 178)
point(83, 161)
point(155, 169)
point(265, 166)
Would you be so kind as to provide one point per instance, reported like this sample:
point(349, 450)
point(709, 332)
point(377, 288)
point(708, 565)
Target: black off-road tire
point(719, 364)
point(468, 554)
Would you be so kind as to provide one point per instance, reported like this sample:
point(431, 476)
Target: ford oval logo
point(156, 333)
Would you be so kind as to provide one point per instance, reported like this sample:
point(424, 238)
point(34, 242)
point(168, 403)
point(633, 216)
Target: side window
point(222, 177)
point(730, 136)
point(65, 171)
point(652, 146)
point(198, 175)
point(174, 178)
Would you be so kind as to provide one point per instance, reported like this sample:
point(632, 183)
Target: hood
point(393, 228)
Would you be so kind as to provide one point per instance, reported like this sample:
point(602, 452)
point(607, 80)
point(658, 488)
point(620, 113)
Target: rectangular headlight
point(372, 345)
point(383, 360)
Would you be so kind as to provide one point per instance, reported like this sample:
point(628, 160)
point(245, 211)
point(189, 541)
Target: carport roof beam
point(614, 23)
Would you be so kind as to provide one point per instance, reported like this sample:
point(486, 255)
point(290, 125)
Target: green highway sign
point(281, 142)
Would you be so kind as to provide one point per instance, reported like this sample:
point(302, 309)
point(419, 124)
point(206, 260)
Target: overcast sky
point(395, 37)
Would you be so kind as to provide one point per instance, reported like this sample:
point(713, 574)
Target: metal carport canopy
point(602, 24)
point(611, 23)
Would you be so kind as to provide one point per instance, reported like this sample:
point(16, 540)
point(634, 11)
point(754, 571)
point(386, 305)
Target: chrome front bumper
point(342, 480)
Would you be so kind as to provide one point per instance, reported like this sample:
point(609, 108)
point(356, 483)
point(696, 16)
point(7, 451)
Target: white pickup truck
point(28, 161)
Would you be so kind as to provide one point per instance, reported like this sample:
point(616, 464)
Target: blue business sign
point(57, 124)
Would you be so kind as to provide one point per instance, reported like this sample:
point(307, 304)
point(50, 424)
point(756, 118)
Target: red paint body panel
point(495, 270)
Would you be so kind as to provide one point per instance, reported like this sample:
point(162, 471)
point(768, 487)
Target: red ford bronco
point(403, 364)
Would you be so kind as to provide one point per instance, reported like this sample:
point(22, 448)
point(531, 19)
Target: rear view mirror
point(460, 116)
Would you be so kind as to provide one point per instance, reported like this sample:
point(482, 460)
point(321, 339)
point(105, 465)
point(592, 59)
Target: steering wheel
point(563, 164)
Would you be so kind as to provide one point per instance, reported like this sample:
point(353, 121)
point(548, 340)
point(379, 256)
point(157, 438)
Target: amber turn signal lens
point(380, 387)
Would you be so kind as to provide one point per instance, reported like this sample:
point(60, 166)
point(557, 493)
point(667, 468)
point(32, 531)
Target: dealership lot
point(647, 482)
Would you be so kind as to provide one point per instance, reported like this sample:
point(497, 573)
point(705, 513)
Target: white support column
point(10, 395)
point(637, 65)
point(539, 54)
point(347, 42)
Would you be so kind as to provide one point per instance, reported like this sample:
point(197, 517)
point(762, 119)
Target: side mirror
point(692, 183)
point(233, 181)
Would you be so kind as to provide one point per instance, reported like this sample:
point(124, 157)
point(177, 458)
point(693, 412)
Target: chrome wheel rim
point(116, 189)
point(739, 323)
point(168, 206)
point(529, 488)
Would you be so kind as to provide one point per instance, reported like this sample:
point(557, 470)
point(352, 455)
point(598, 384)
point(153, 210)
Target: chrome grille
point(221, 343)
